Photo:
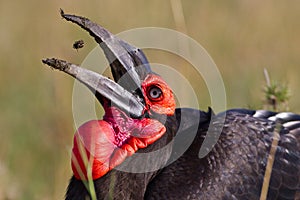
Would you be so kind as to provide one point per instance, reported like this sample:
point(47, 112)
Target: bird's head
point(130, 102)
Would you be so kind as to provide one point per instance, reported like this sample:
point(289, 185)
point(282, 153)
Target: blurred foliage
point(36, 104)
point(276, 94)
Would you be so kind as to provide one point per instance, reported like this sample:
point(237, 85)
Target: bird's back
point(235, 167)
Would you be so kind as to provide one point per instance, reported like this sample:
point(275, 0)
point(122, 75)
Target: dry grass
point(243, 37)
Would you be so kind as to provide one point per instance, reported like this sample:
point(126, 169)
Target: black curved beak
point(124, 59)
point(101, 85)
point(128, 64)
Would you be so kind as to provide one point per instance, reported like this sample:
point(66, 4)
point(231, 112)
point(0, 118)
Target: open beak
point(128, 64)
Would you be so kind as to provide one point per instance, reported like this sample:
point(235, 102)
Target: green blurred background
point(243, 37)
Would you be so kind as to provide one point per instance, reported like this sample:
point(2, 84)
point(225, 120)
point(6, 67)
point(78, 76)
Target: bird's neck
point(130, 179)
point(114, 185)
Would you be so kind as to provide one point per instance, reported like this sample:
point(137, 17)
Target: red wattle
point(97, 142)
point(93, 142)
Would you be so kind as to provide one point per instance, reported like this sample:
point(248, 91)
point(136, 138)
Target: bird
point(135, 151)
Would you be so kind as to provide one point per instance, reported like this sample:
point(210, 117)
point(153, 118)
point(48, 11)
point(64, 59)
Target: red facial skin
point(107, 143)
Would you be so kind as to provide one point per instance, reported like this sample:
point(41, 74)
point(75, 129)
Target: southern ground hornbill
point(127, 154)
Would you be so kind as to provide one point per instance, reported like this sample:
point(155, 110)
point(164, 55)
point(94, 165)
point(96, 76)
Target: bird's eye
point(154, 93)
